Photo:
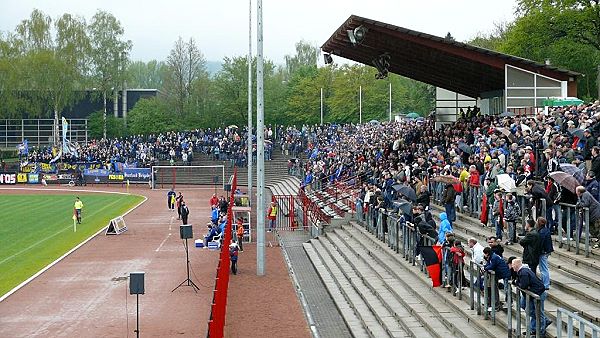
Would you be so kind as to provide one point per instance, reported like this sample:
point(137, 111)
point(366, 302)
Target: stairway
point(381, 295)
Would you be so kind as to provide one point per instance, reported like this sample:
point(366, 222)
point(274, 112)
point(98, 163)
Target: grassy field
point(37, 229)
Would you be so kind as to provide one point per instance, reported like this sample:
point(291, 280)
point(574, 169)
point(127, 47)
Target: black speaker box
point(185, 231)
point(136, 283)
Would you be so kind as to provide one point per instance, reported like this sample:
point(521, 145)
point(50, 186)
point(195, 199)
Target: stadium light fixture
point(357, 35)
point(382, 64)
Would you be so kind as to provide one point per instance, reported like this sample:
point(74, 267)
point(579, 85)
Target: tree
point(556, 34)
point(578, 20)
point(109, 53)
point(494, 39)
point(186, 66)
point(148, 75)
point(306, 56)
point(151, 116)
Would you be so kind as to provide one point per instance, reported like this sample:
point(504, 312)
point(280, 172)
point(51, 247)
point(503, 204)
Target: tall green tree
point(109, 54)
point(148, 75)
point(306, 56)
point(558, 31)
point(186, 69)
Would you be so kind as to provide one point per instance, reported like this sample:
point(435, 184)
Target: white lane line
point(171, 223)
point(163, 242)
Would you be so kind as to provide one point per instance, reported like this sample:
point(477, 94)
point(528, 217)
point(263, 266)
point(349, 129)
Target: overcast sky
point(221, 26)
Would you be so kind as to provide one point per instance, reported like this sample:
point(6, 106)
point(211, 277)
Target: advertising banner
point(21, 178)
point(65, 177)
point(47, 168)
point(96, 175)
point(8, 178)
point(115, 178)
point(33, 178)
point(137, 174)
point(50, 178)
point(28, 168)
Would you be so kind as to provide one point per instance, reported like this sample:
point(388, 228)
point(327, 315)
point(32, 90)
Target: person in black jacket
point(424, 196)
point(527, 280)
point(531, 245)
point(538, 193)
point(449, 199)
point(546, 250)
point(185, 212)
point(596, 160)
point(590, 142)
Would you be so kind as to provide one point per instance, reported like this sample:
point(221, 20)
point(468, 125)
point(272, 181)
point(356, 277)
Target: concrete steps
point(574, 278)
point(376, 282)
point(454, 313)
point(345, 295)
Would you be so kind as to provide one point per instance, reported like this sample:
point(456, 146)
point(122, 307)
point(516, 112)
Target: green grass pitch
point(37, 229)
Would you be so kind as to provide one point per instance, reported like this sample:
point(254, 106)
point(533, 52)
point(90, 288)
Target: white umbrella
point(506, 183)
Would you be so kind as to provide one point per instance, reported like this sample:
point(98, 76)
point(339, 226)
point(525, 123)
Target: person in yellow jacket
point(78, 206)
point(272, 216)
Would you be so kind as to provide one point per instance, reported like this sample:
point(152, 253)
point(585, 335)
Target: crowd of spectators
point(223, 144)
point(474, 151)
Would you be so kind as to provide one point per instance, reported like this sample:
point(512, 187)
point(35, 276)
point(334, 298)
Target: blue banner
point(96, 172)
point(137, 174)
point(33, 178)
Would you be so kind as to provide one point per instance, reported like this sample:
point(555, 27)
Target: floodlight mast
point(249, 134)
point(260, 147)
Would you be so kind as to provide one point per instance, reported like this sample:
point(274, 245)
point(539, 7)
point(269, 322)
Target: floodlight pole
point(249, 142)
point(260, 147)
point(360, 104)
point(321, 105)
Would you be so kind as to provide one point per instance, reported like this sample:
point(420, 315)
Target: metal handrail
point(572, 316)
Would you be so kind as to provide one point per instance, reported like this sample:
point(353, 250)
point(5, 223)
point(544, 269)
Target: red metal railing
point(216, 322)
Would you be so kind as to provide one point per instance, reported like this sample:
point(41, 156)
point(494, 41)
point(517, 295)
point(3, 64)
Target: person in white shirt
point(477, 251)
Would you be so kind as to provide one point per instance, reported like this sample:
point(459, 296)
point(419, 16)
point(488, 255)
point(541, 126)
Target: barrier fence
point(216, 322)
point(585, 327)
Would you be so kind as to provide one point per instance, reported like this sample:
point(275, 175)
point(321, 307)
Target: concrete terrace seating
point(575, 285)
point(574, 278)
point(381, 295)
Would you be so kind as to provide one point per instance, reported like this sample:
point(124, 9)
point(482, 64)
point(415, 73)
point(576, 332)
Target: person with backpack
point(233, 256)
point(511, 215)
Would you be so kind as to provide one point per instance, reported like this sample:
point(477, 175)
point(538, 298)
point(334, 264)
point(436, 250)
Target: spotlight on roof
point(328, 59)
point(382, 64)
point(357, 35)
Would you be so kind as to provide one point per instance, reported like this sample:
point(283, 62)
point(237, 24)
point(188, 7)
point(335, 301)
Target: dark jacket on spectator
point(587, 149)
point(538, 192)
point(449, 194)
point(498, 250)
point(587, 201)
point(593, 187)
point(498, 265)
point(546, 240)
point(531, 247)
point(596, 165)
point(424, 198)
point(529, 281)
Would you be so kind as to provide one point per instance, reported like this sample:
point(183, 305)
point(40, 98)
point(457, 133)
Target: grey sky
point(221, 27)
